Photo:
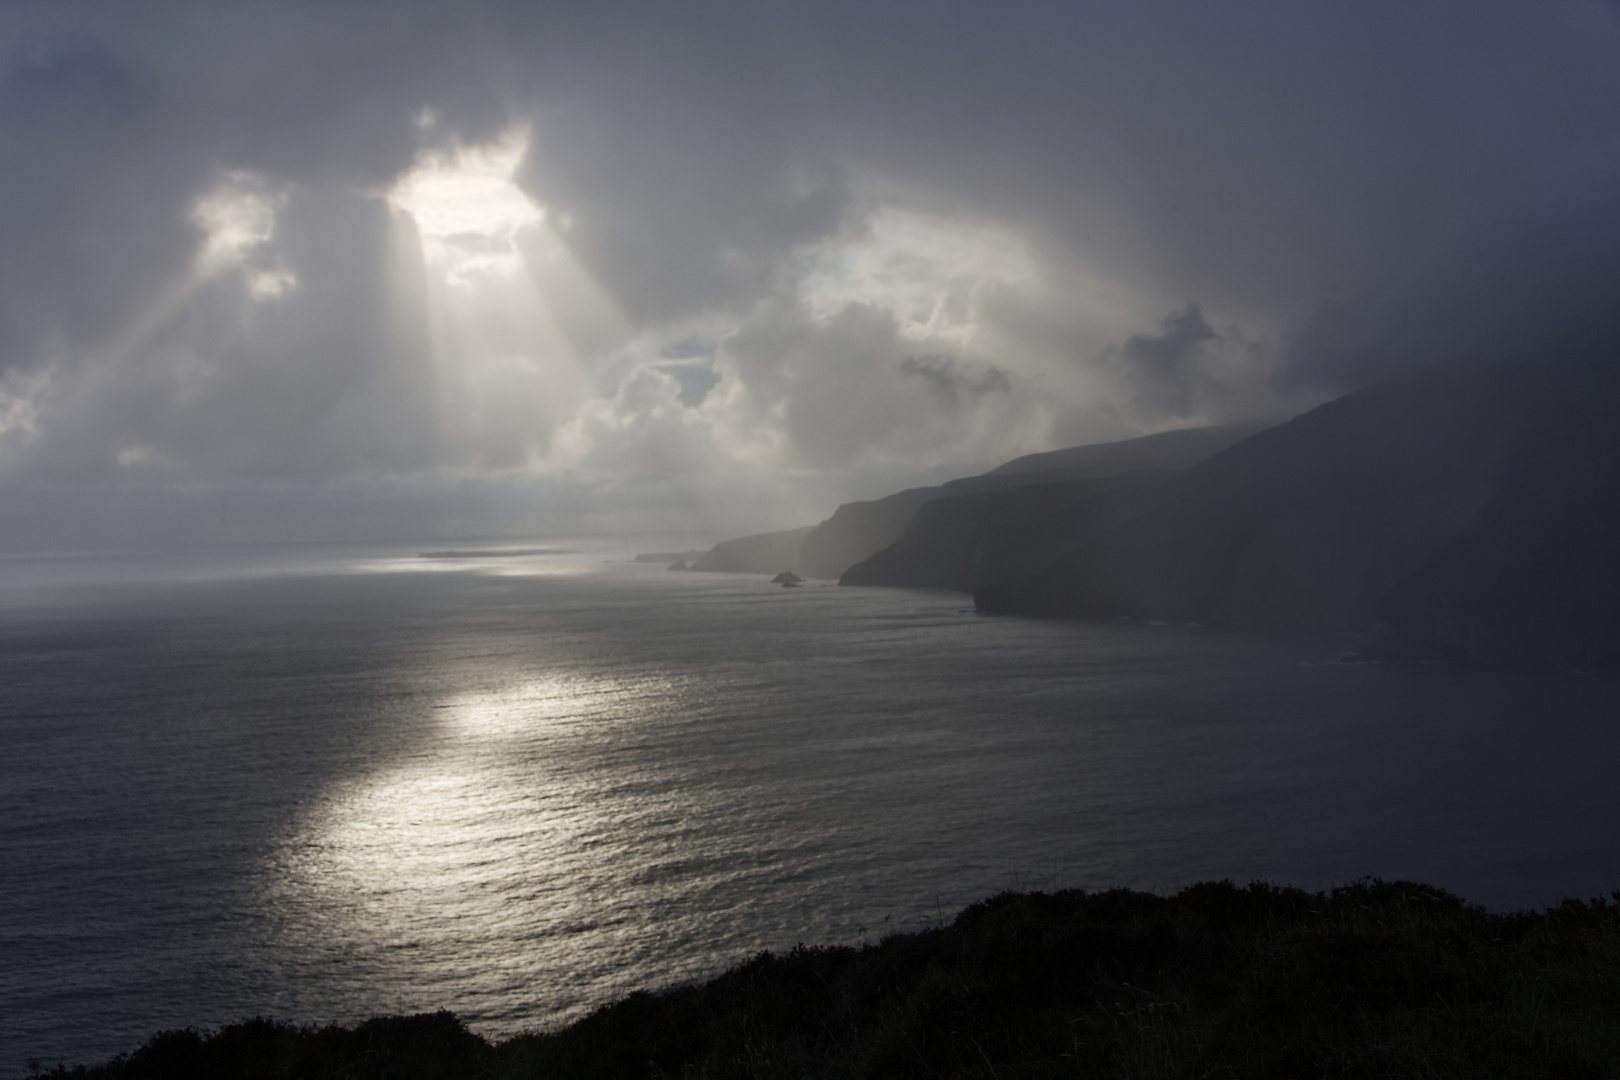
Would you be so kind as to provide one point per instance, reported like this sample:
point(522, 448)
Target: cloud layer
point(726, 260)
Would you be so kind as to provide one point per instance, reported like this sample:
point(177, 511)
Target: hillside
point(1464, 514)
point(1167, 451)
point(858, 530)
point(1369, 980)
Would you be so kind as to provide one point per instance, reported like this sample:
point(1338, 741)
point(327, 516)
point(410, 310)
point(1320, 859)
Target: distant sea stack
point(1464, 514)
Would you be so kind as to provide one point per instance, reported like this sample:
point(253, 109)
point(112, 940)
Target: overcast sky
point(306, 269)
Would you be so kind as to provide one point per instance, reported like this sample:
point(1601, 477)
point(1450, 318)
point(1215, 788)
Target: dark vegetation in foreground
point(1371, 980)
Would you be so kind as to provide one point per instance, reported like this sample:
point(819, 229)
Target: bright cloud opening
point(508, 316)
point(238, 217)
point(467, 210)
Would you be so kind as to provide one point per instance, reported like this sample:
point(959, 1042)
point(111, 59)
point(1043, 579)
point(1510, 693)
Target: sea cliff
point(1459, 514)
point(858, 530)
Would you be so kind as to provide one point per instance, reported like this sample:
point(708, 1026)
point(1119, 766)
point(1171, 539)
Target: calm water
point(326, 786)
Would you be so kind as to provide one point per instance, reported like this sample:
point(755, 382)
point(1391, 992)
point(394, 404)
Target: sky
point(300, 271)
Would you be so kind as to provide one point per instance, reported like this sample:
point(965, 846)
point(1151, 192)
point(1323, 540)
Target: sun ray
point(507, 312)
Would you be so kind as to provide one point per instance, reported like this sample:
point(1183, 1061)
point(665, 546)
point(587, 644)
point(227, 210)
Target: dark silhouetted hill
point(858, 530)
point(1468, 514)
point(1369, 980)
point(1168, 451)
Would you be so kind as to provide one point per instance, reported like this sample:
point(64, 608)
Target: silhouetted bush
point(1371, 980)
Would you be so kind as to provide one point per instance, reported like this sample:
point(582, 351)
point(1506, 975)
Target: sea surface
point(323, 784)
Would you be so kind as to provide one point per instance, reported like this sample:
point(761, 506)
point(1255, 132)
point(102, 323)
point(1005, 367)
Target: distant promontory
point(858, 530)
point(1467, 514)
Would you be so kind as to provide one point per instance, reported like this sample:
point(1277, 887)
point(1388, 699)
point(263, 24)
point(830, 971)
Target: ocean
point(322, 784)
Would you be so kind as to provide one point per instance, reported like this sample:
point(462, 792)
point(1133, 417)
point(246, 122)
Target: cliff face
point(1168, 451)
point(953, 542)
point(859, 530)
point(1464, 514)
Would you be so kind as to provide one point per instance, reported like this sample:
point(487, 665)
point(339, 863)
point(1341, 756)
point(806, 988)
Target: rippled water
point(325, 786)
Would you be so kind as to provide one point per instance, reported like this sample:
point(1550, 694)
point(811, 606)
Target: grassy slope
point(1371, 980)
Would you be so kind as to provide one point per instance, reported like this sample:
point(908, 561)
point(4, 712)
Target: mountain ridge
point(858, 530)
point(1465, 514)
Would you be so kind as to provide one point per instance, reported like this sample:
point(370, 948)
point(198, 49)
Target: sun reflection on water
point(494, 562)
point(489, 824)
point(324, 796)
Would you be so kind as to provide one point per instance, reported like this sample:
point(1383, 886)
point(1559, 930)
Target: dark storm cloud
point(1543, 287)
point(1163, 368)
point(954, 381)
point(765, 206)
point(1262, 159)
point(69, 73)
